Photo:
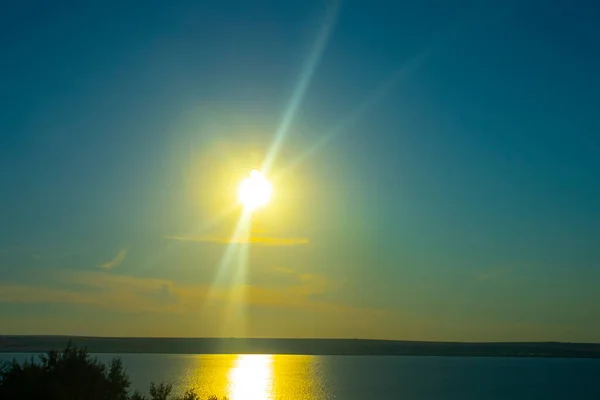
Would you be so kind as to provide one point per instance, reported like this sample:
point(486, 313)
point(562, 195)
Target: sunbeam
point(164, 252)
point(231, 272)
point(368, 104)
point(305, 78)
point(239, 247)
point(240, 236)
point(377, 95)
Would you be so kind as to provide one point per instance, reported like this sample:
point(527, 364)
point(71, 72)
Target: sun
point(255, 191)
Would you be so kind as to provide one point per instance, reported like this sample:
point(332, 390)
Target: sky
point(434, 166)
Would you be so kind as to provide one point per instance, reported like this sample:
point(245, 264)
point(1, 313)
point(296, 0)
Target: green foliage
point(118, 382)
point(72, 374)
point(160, 392)
point(190, 395)
point(137, 396)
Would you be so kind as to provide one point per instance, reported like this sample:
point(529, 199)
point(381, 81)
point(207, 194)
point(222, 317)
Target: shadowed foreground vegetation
point(72, 374)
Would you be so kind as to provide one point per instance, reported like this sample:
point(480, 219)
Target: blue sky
point(437, 178)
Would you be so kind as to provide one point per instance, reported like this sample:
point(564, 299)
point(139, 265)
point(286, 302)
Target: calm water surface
point(262, 377)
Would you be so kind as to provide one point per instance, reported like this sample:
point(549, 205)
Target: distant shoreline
point(33, 344)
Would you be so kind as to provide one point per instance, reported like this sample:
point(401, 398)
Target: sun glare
point(251, 378)
point(254, 191)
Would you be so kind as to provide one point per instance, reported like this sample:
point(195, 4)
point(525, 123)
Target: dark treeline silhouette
point(73, 374)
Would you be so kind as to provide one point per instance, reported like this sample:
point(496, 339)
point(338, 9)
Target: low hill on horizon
point(32, 344)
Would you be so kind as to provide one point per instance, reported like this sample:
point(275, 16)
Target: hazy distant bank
point(14, 344)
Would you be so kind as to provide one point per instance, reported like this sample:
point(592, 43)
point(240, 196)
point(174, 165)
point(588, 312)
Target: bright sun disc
point(254, 191)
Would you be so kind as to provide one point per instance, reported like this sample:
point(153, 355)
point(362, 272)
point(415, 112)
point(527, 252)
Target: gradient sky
point(437, 176)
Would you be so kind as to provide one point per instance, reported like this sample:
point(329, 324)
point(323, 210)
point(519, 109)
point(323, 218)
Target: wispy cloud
point(259, 240)
point(115, 262)
point(129, 293)
point(284, 270)
point(178, 301)
point(103, 291)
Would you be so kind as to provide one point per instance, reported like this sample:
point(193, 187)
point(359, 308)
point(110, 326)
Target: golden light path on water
point(253, 377)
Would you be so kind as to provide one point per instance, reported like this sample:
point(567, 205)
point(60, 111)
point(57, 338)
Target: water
point(262, 377)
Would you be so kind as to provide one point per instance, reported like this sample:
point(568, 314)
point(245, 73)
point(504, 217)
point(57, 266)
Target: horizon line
point(291, 338)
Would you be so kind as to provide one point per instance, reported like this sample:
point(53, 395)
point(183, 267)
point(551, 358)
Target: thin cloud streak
point(115, 262)
point(259, 240)
point(134, 294)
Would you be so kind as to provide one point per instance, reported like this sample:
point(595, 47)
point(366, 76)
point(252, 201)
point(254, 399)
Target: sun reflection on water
point(251, 377)
point(254, 377)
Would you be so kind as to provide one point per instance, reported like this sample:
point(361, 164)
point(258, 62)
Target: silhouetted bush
point(72, 374)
